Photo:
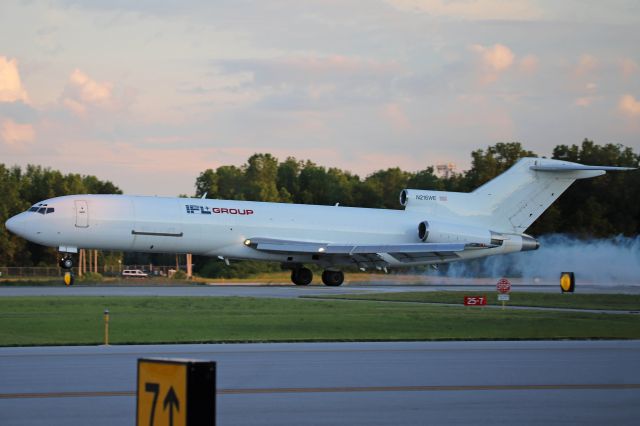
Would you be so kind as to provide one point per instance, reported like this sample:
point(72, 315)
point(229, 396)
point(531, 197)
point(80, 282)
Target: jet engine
point(431, 231)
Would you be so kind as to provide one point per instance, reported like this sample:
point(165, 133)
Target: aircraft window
point(42, 209)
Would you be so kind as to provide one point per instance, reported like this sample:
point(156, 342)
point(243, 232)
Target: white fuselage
point(435, 227)
point(218, 227)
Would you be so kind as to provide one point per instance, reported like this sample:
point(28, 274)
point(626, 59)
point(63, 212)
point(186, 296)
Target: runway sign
point(503, 286)
point(567, 282)
point(176, 392)
point(475, 300)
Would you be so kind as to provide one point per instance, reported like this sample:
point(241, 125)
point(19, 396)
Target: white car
point(134, 273)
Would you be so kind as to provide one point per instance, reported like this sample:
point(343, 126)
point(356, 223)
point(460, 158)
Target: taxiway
point(539, 382)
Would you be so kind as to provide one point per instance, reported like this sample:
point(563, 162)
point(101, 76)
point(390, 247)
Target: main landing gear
point(66, 263)
point(301, 276)
point(304, 276)
point(332, 278)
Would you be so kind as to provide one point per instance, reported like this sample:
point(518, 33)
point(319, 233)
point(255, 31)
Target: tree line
point(20, 189)
point(600, 207)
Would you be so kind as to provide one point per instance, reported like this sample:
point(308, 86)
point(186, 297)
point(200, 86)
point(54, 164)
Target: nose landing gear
point(66, 263)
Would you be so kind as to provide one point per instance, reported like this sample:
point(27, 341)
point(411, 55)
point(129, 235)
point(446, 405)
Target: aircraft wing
point(360, 253)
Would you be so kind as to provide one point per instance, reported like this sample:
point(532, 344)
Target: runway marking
point(64, 394)
point(313, 350)
point(342, 389)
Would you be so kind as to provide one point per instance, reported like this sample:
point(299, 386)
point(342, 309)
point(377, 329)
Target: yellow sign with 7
point(162, 393)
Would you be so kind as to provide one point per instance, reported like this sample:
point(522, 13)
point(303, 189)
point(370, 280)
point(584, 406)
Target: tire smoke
point(611, 261)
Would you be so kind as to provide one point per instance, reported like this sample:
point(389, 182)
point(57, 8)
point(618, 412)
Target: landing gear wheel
point(68, 278)
point(301, 276)
point(66, 262)
point(332, 278)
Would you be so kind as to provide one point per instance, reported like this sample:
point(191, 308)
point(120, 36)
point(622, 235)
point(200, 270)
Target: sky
point(150, 93)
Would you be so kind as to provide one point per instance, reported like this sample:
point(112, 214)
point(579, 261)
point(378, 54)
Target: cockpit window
point(42, 209)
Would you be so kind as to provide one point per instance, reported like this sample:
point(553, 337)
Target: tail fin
point(512, 201)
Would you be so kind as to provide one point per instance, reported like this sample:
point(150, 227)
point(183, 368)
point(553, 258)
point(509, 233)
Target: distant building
point(446, 170)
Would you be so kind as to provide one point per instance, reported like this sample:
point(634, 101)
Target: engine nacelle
point(417, 196)
point(431, 231)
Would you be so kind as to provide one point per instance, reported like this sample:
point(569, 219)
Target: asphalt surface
point(334, 383)
point(288, 292)
point(540, 382)
point(281, 291)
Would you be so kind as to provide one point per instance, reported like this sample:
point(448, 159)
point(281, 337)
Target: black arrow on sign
point(171, 400)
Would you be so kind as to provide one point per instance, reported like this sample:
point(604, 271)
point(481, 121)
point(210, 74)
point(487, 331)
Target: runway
point(279, 291)
point(550, 382)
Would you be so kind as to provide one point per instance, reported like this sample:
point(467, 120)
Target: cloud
point(493, 60)
point(396, 116)
point(19, 111)
point(472, 9)
point(628, 67)
point(90, 91)
point(528, 64)
point(584, 101)
point(314, 81)
point(497, 58)
point(308, 68)
point(587, 100)
point(82, 93)
point(629, 106)
point(77, 107)
point(11, 89)
point(15, 134)
point(586, 65)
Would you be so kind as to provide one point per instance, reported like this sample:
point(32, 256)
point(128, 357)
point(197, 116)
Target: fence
point(106, 270)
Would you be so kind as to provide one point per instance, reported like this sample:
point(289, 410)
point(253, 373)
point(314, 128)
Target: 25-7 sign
point(475, 300)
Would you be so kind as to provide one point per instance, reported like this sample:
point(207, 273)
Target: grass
point(272, 278)
point(624, 302)
point(31, 282)
point(79, 320)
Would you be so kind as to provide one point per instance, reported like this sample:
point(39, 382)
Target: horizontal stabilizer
point(570, 167)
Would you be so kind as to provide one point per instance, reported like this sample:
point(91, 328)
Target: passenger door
point(82, 214)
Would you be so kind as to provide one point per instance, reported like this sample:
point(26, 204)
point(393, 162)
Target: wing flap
point(439, 256)
point(292, 246)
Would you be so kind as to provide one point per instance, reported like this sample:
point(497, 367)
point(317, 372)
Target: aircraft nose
point(15, 224)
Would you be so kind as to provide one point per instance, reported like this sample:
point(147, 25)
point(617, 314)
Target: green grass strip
point(623, 302)
point(79, 320)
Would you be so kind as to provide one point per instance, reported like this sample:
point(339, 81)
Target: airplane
point(435, 227)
